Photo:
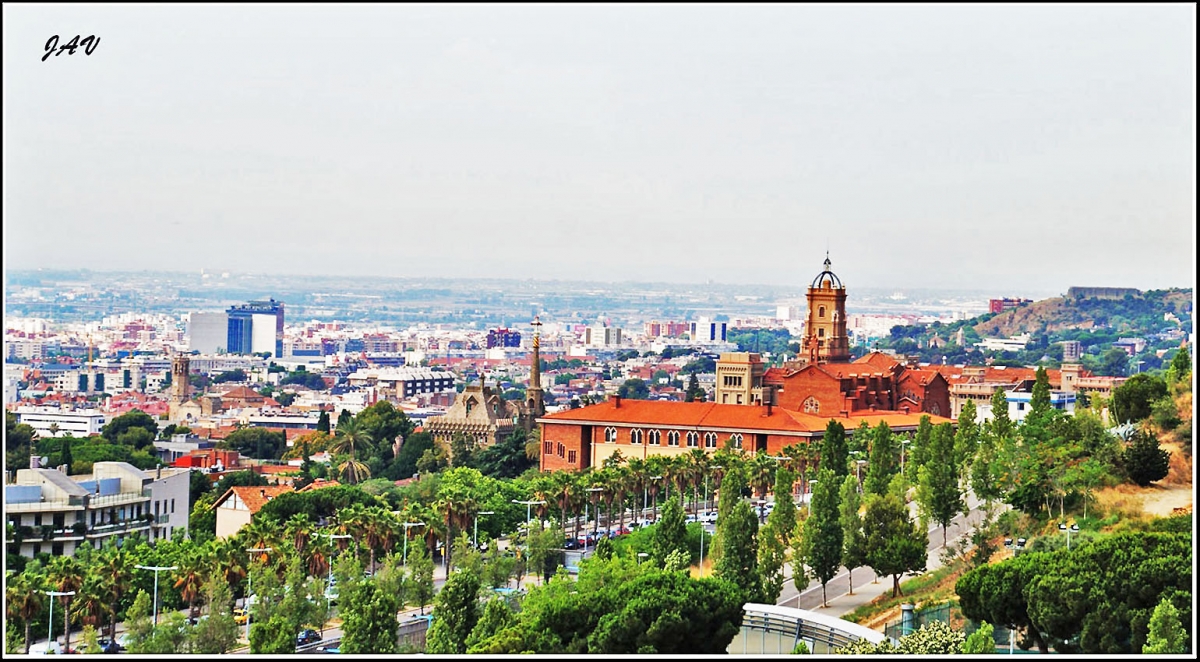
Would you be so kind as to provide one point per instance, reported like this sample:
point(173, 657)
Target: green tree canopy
point(1132, 400)
point(134, 418)
point(895, 545)
point(1145, 460)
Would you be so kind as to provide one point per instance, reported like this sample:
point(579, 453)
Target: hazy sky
point(1006, 147)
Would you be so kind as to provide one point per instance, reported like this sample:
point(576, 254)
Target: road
point(810, 597)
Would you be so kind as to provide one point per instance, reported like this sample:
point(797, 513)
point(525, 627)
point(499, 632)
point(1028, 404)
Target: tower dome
point(827, 278)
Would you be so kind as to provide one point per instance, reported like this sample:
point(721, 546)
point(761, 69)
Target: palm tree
point(227, 560)
point(349, 439)
point(638, 475)
point(115, 568)
point(90, 604)
point(24, 601)
point(190, 578)
point(698, 463)
point(67, 575)
point(761, 473)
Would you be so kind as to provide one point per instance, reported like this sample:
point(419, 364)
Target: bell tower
point(825, 338)
point(534, 406)
point(179, 378)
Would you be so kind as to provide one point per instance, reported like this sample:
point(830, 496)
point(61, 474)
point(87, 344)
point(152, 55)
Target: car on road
point(109, 646)
point(240, 616)
point(571, 543)
point(307, 637)
point(618, 531)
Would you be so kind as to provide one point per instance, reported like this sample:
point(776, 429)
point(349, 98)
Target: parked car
point(109, 646)
point(46, 648)
point(571, 543)
point(240, 616)
point(307, 637)
point(618, 531)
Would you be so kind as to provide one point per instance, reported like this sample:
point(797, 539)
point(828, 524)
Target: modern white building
point(1010, 344)
point(55, 422)
point(401, 383)
point(52, 512)
point(208, 333)
point(601, 336)
point(707, 330)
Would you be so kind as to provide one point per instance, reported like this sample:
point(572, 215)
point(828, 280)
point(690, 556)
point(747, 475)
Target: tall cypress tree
point(822, 544)
point(835, 453)
point(938, 492)
point(323, 422)
point(918, 453)
point(739, 551)
point(66, 457)
point(854, 553)
point(884, 460)
point(966, 439)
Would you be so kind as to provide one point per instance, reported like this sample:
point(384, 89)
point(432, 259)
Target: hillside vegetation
point(1131, 315)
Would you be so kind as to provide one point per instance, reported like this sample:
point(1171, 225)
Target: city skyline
point(611, 144)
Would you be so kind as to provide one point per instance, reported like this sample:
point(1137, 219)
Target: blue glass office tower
point(239, 337)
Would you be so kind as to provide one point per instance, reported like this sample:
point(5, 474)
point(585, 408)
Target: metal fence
point(897, 629)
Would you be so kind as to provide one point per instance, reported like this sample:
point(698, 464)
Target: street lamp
point(655, 498)
point(156, 570)
point(595, 516)
point(407, 526)
point(1073, 527)
point(340, 536)
point(482, 512)
point(528, 517)
point(702, 521)
point(250, 588)
point(50, 625)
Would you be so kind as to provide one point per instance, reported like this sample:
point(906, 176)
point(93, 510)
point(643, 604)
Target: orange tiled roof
point(242, 393)
point(254, 497)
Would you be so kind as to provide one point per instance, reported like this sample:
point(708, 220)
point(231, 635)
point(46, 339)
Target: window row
point(654, 438)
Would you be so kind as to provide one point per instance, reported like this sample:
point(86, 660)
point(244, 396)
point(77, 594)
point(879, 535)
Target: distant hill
point(1130, 315)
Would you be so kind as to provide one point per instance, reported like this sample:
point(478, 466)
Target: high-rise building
point(207, 333)
point(256, 326)
point(707, 330)
point(503, 338)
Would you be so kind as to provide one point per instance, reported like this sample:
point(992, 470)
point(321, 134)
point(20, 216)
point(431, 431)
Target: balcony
point(127, 526)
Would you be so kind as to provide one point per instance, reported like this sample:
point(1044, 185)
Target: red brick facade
point(875, 382)
point(585, 437)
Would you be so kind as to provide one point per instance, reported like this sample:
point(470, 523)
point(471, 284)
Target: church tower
point(534, 407)
point(179, 379)
point(825, 339)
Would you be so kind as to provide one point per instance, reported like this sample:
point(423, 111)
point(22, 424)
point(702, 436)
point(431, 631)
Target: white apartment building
point(54, 513)
point(55, 422)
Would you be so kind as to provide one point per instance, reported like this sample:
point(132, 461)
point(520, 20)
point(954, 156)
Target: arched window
point(820, 333)
point(610, 435)
point(655, 438)
point(821, 312)
point(673, 438)
point(693, 439)
point(710, 439)
point(635, 437)
point(737, 440)
point(811, 406)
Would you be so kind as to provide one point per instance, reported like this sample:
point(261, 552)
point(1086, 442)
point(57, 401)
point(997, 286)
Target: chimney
point(768, 408)
point(904, 408)
point(262, 493)
point(158, 473)
point(616, 401)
